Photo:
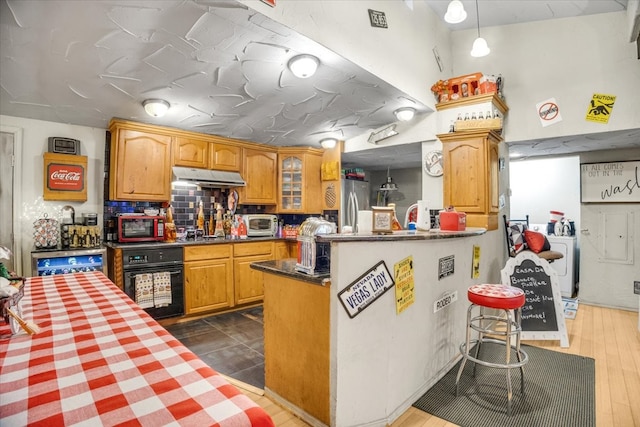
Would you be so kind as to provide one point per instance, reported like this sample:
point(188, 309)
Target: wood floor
point(609, 336)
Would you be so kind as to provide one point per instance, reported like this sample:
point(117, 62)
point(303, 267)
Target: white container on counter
point(423, 221)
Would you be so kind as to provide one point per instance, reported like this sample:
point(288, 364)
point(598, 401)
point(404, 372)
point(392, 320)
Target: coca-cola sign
point(65, 177)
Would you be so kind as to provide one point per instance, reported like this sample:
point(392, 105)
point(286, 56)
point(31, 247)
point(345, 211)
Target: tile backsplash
point(185, 200)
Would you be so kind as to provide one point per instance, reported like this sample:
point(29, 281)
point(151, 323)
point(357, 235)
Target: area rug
point(559, 391)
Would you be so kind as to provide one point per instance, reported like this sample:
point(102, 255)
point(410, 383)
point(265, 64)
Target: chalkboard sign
point(614, 182)
point(542, 315)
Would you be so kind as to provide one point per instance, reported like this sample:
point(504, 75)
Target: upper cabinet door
point(259, 170)
point(300, 185)
point(190, 152)
point(471, 175)
point(140, 168)
point(225, 157)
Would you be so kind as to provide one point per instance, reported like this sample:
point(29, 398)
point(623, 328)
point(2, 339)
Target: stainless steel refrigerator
point(355, 197)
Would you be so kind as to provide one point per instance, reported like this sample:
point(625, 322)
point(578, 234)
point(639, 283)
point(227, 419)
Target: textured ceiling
point(505, 12)
point(221, 66)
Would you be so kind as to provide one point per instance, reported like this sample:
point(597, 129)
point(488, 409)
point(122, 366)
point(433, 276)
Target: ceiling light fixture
point(156, 107)
point(405, 114)
point(480, 47)
point(455, 12)
point(328, 143)
point(304, 66)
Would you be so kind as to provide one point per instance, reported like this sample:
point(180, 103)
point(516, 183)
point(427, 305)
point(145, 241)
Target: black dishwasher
point(136, 262)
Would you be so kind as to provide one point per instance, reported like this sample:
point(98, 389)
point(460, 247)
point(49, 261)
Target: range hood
point(208, 178)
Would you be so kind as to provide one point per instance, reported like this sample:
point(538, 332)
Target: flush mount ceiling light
point(328, 143)
point(304, 66)
point(455, 12)
point(405, 114)
point(155, 107)
point(480, 47)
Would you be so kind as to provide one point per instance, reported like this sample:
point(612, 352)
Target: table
point(99, 359)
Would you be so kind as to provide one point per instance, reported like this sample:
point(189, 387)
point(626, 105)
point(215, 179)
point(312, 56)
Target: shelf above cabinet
point(474, 100)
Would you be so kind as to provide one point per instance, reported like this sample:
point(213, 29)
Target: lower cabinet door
point(208, 285)
point(248, 282)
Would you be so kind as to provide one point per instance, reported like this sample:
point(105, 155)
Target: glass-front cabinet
point(299, 180)
point(291, 189)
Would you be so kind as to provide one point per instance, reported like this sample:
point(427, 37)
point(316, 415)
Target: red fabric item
point(535, 241)
point(496, 296)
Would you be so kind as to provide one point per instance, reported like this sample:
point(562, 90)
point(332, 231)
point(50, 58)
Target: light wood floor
point(609, 336)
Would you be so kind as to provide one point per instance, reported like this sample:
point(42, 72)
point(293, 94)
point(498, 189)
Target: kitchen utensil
point(29, 327)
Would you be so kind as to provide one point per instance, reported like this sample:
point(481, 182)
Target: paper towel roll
point(365, 219)
point(423, 222)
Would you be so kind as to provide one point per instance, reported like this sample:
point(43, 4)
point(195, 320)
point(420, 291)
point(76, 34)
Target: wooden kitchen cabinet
point(206, 153)
point(225, 157)
point(208, 278)
point(299, 184)
point(140, 163)
point(286, 248)
point(471, 182)
point(247, 281)
point(259, 170)
point(190, 152)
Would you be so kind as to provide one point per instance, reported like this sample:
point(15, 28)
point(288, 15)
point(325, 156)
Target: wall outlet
point(636, 287)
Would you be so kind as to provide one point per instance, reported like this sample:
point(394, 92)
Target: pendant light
point(480, 47)
point(455, 12)
point(389, 185)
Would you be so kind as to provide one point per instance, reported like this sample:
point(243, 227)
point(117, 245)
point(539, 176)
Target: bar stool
point(508, 301)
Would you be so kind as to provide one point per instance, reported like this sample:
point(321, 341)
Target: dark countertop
point(287, 268)
point(401, 235)
point(206, 241)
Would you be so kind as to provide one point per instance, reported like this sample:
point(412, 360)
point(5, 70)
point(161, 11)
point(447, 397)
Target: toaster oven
point(261, 225)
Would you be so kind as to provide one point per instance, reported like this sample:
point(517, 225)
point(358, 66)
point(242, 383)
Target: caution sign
point(548, 112)
point(600, 108)
point(403, 274)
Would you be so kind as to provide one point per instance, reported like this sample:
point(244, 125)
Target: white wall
point(541, 185)
point(568, 59)
point(30, 180)
point(381, 361)
point(601, 282)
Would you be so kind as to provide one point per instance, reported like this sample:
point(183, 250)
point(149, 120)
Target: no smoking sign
point(548, 112)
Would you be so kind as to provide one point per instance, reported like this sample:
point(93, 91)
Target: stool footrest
point(476, 323)
point(524, 357)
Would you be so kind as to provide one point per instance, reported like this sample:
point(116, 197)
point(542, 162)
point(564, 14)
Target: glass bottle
point(200, 216)
point(395, 224)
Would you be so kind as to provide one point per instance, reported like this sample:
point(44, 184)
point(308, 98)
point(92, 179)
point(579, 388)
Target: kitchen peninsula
point(341, 367)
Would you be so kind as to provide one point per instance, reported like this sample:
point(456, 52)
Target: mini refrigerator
point(46, 262)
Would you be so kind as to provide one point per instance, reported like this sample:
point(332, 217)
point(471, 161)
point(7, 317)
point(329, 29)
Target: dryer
point(565, 267)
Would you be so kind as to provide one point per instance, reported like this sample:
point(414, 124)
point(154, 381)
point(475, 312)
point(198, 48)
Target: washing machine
point(565, 267)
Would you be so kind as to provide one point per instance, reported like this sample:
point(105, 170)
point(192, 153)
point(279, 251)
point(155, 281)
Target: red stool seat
point(496, 296)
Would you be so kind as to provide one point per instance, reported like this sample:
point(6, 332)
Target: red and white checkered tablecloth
point(99, 359)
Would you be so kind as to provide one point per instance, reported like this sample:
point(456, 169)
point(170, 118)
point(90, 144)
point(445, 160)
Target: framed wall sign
point(613, 182)
point(65, 177)
point(382, 219)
